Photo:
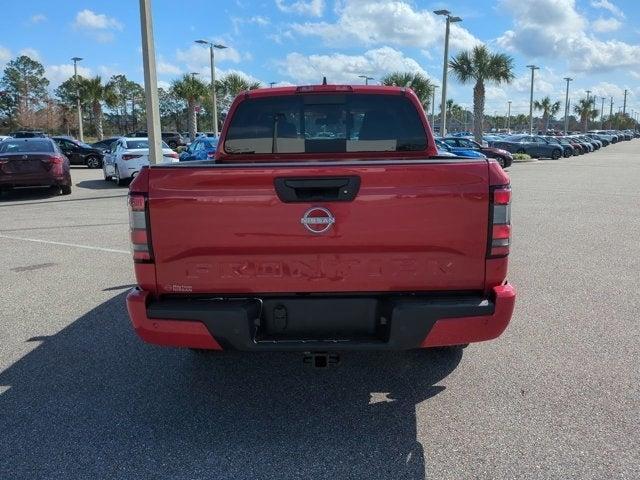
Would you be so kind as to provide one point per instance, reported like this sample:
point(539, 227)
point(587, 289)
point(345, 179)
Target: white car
point(127, 156)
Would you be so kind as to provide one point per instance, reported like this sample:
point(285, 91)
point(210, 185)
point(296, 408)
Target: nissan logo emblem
point(317, 220)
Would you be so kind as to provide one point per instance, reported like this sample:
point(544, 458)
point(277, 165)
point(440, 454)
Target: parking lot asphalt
point(555, 397)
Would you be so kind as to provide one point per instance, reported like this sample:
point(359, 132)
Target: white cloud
point(37, 18)
point(398, 23)
point(31, 53)
point(97, 25)
point(196, 58)
point(607, 5)
point(166, 68)
point(5, 54)
point(606, 24)
point(340, 68)
point(313, 8)
point(88, 19)
point(259, 20)
point(59, 73)
point(554, 29)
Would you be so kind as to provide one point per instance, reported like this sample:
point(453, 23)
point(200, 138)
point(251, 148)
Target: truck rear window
point(325, 123)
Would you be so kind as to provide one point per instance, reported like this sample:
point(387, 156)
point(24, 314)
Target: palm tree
point(547, 108)
point(480, 65)
point(95, 93)
point(233, 83)
point(417, 82)
point(191, 90)
point(585, 109)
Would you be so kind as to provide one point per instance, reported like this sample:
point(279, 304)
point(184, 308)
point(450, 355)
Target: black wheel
point(556, 154)
point(93, 162)
point(65, 189)
point(500, 161)
point(106, 177)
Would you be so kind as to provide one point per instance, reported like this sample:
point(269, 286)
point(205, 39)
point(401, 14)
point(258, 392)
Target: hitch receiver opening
point(321, 359)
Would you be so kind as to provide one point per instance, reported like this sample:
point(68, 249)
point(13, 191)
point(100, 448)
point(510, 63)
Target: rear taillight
point(130, 157)
point(139, 228)
point(500, 227)
point(54, 162)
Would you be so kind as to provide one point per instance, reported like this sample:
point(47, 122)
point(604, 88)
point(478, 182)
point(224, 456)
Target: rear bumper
point(33, 180)
point(396, 322)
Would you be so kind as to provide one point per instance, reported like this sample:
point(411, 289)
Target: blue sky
point(597, 42)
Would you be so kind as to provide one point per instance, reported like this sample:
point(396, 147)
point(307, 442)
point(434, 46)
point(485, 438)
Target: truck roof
point(289, 90)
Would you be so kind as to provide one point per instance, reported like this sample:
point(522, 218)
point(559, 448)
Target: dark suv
point(27, 134)
point(173, 139)
point(79, 153)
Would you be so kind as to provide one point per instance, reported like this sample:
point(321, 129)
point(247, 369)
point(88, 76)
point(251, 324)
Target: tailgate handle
point(317, 189)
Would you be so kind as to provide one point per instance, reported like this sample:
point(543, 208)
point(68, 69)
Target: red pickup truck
point(326, 223)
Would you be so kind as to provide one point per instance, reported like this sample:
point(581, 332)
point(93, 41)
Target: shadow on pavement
point(99, 185)
point(92, 401)
point(32, 193)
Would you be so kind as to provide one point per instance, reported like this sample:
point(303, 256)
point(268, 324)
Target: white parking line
point(64, 244)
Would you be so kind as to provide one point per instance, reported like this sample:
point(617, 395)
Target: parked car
point(173, 139)
point(80, 153)
point(605, 140)
point(202, 148)
point(458, 151)
point(33, 162)
point(533, 145)
point(602, 135)
point(27, 134)
point(4, 137)
point(567, 149)
point(597, 144)
point(369, 246)
point(586, 146)
point(504, 158)
point(128, 156)
point(105, 144)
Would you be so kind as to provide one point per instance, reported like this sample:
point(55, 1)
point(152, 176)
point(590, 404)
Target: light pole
point(443, 104)
point(78, 104)
point(611, 113)
point(193, 74)
point(624, 104)
point(602, 114)
point(366, 79)
point(533, 69)
point(509, 116)
point(586, 117)
point(271, 84)
point(213, 80)
point(566, 106)
point(150, 83)
point(433, 106)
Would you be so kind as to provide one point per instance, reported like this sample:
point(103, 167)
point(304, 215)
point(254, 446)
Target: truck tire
point(65, 189)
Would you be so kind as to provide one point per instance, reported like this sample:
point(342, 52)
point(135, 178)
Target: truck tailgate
point(417, 226)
